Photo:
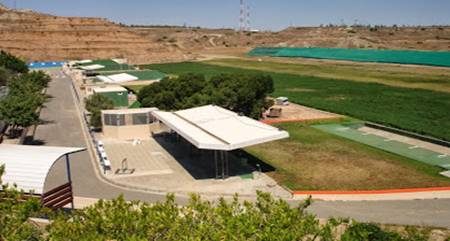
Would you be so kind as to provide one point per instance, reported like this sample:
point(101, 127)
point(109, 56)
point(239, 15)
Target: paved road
point(63, 128)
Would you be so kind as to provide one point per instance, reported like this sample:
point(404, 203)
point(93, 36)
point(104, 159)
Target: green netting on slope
point(399, 148)
point(433, 58)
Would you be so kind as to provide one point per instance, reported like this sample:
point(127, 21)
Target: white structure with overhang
point(117, 78)
point(215, 128)
point(27, 168)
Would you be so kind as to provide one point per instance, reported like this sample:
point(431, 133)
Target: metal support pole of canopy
point(69, 177)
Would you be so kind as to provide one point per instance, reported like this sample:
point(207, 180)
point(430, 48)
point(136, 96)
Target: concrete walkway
point(63, 128)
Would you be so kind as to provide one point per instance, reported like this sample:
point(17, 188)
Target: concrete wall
point(130, 132)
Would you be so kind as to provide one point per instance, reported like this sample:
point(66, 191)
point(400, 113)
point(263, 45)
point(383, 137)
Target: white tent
point(117, 78)
point(28, 166)
point(92, 67)
point(84, 61)
point(215, 128)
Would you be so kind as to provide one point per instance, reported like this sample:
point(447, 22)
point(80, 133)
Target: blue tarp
point(50, 64)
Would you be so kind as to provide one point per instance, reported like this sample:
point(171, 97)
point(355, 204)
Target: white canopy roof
point(215, 128)
point(117, 78)
point(84, 61)
point(92, 67)
point(28, 166)
point(108, 88)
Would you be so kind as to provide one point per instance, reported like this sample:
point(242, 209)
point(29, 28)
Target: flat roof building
point(129, 124)
point(118, 94)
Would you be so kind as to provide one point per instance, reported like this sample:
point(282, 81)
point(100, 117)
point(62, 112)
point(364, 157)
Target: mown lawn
point(420, 77)
point(314, 160)
point(422, 111)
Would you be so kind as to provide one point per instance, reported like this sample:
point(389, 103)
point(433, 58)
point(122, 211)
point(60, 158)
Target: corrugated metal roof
point(92, 67)
point(215, 128)
point(28, 166)
point(117, 78)
point(108, 88)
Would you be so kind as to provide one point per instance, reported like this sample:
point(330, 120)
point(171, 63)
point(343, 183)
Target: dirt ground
point(295, 112)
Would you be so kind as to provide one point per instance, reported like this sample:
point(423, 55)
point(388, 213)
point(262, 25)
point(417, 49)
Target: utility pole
point(248, 18)
point(242, 16)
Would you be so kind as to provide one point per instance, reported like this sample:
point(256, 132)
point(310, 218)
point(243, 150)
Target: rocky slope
point(36, 37)
point(429, 38)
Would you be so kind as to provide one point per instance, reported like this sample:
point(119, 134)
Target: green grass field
point(400, 76)
point(315, 160)
point(422, 111)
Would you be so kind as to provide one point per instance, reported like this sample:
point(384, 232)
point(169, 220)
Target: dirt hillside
point(36, 37)
point(429, 38)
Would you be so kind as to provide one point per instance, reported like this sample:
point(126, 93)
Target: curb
point(377, 195)
point(280, 121)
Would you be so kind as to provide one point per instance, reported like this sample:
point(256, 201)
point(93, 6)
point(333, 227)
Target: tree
point(13, 63)
point(95, 104)
point(245, 94)
point(20, 111)
point(15, 209)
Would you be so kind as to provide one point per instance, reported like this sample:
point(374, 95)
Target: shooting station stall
point(27, 167)
point(219, 130)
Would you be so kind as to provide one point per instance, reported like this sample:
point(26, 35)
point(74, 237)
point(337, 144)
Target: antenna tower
point(242, 16)
point(248, 18)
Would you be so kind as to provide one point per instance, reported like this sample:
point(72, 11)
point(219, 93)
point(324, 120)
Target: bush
point(266, 219)
point(4, 76)
point(15, 210)
point(13, 63)
point(372, 232)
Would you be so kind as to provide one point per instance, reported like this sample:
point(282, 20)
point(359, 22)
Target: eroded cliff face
point(37, 37)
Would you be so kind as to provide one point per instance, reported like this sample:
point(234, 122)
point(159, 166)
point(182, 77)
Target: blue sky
point(266, 14)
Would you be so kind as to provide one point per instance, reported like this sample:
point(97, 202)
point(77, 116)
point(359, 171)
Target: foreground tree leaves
point(15, 209)
point(266, 219)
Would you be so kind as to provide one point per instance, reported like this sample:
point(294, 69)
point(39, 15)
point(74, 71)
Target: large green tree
point(95, 104)
point(19, 108)
point(20, 111)
point(245, 94)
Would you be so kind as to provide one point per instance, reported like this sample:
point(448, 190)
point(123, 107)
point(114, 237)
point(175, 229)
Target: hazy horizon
point(265, 14)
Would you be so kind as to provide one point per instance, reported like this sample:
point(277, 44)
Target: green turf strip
point(396, 147)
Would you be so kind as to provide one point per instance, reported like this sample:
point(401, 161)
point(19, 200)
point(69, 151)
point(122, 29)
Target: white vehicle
point(100, 144)
point(106, 162)
point(282, 101)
